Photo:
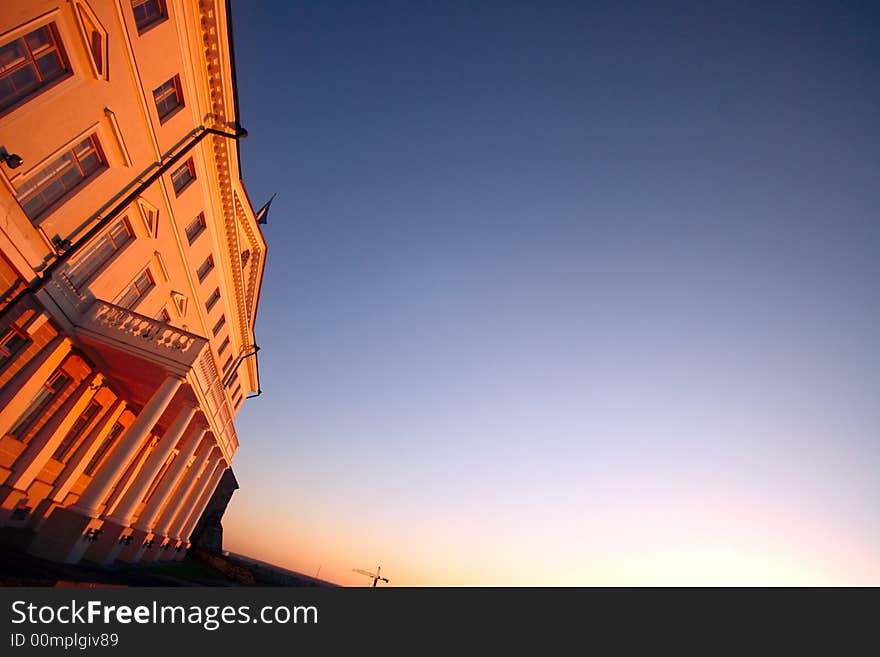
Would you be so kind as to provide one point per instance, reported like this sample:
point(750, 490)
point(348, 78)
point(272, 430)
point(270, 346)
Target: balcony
point(138, 349)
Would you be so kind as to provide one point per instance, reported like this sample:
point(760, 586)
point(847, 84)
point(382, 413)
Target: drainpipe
point(116, 211)
point(241, 358)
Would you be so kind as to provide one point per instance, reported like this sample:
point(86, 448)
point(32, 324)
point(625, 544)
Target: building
point(130, 268)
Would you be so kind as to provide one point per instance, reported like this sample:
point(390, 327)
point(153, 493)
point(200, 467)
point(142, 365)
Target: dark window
point(137, 290)
point(33, 417)
point(212, 300)
point(227, 364)
point(232, 381)
point(163, 316)
point(205, 268)
point(183, 175)
point(148, 13)
point(169, 98)
point(31, 64)
point(73, 168)
point(219, 325)
point(100, 253)
point(77, 430)
point(115, 432)
point(11, 343)
point(223, 347)
point(195, 228)
point(96, 43)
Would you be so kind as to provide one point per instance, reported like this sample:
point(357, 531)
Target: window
point(148, 13)
point(232, 381)
point(115, 432)
point(212, 300)
point(12, 342)
point(169, 98)
point(77, 430)
point(163, 316)
point(183, 175)
point(195, 228)
point(227, 364)
point(73, 168)
point(205, 268)
point(30, 65)
point(137, 290)
point(219, 325)
point(100, 253)
point(34, 417)
point(223, 347)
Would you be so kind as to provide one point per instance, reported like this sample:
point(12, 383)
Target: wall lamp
point(12, 160)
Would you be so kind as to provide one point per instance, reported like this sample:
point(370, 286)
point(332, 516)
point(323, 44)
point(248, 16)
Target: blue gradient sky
point(564, 293)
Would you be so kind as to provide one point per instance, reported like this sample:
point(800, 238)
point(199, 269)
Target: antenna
point(376, 577)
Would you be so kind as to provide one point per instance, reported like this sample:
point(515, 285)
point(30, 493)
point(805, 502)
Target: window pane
point(39, 39)
point(50, 66)
point(24, 78)
point(12, 54)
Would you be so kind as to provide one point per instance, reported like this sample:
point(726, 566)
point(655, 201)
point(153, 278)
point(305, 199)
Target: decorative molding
point(160, 262)
point(117, 133)
point(220, 147)
point(150, 216)
point(255, 260)
point(95, 38)
point(180, 301)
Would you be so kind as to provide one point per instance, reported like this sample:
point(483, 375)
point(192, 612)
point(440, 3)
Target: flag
point(263, 212)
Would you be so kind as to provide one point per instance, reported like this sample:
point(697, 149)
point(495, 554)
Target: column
point(200, 506)
point(84, 453)
point(128, 504)
point(24, 385)
point(154, 507)
point(181, 495)
point(115, 465)
point(205, 492)
point(195, 495)
point(42, 446)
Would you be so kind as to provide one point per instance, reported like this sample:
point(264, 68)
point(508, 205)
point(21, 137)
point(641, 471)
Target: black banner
point(247, 621)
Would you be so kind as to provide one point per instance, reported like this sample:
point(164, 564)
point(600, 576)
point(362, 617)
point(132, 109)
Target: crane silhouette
point(377, 576)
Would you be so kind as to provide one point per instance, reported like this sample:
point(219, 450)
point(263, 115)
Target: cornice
point(220, 147)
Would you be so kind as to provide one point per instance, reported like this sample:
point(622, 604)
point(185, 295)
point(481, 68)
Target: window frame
point(77, 431)
point(190, 167)
point(39, 404)
point(69, 192)
point(133, 286)
point(143, 28)
point(65, 72)
point(201, 224)
point(218, 326)
point(8, 355)
point(205, 268)
point(177, 88)
point(213, 300)
point(101, 266)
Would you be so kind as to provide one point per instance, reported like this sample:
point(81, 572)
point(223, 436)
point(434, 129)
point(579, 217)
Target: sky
point(564, 293)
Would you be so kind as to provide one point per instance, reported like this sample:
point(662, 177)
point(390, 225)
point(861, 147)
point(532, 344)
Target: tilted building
point(130, 268)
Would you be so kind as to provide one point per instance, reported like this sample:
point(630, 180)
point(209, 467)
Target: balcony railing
point(107, 323)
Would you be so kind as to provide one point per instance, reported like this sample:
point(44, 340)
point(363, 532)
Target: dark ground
point(197, 569)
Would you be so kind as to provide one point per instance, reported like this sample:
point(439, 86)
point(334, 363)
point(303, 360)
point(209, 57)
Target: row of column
point(102, 528)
